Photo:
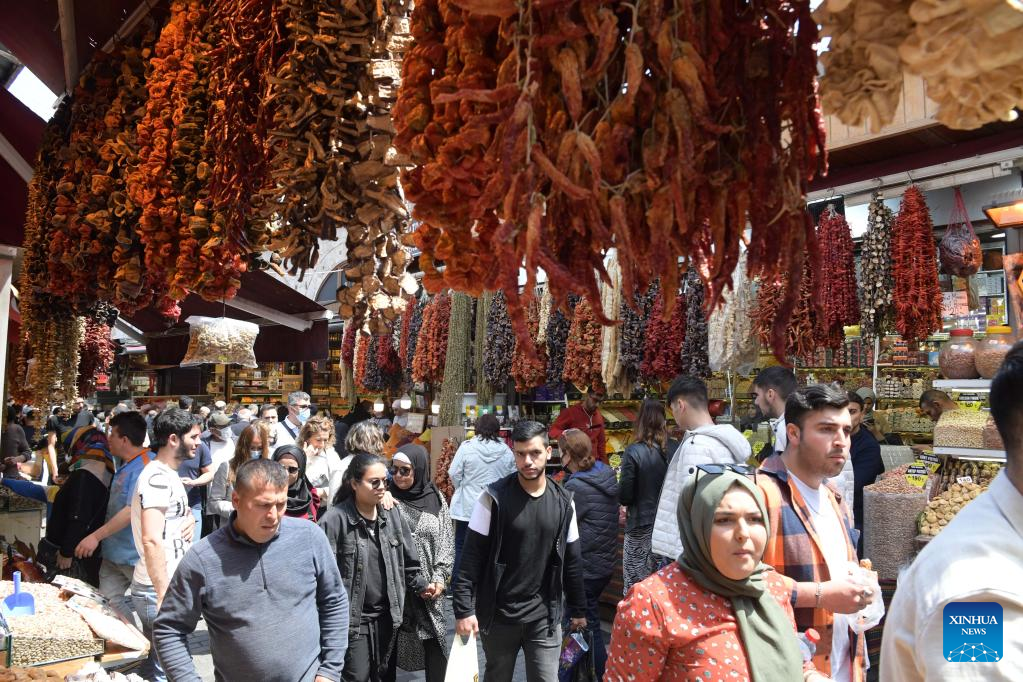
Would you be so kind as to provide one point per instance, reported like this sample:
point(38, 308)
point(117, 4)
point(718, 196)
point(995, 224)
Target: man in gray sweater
point(261, 582)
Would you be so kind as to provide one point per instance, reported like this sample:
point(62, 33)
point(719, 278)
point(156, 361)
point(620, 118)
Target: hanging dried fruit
point(917, 293)
point(876, 280)
point(836, 277)
point(694, 346)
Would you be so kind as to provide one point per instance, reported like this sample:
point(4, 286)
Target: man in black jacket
point(521, 557)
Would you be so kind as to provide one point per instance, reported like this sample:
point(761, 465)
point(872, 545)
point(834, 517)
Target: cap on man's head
point(220, 420)
point(220, 405)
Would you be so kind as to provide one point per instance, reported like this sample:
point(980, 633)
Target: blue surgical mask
point(303, 414)
point(255, 454)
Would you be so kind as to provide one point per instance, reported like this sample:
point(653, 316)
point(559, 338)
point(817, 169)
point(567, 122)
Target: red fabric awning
point(24, 130)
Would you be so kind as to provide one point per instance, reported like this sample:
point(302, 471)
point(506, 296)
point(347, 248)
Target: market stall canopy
point(297, 331)
point(22, 131)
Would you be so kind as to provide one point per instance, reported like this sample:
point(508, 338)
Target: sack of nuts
point(220, 340)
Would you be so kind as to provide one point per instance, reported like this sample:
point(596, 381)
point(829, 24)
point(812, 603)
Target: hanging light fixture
point(1006, 209)
point(406, 402)
point(435, 407)
point(378, 405)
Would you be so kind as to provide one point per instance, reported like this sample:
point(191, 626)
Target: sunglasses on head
point(714, 469)
point(401, 471)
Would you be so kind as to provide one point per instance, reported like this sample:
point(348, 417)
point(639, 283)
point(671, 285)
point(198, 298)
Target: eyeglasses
point(291, 470)
point(376, 483)
point(401, 471)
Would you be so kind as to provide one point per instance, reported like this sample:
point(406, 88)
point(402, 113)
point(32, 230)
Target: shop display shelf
point(963, 385)
point(971, 453)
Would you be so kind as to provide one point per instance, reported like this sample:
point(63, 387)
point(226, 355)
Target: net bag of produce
point(959, 248)
point(890, 524)
point(220, 340)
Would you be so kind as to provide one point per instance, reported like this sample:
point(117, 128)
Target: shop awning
point(22, 132)
point(166, 341)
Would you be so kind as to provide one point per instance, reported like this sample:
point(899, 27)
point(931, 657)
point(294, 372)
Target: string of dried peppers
point(432, 341)
point(917, 294)
point(836, 277)
point(582, 352)
point(662, 345)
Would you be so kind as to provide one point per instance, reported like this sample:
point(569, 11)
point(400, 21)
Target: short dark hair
point(256, 471)
point(1007, 404)
point(265, 407)
point(781, 379)
point(691, 389)
point(487, 427)
point(932, 395)
point(812, 399)
point(855, 397)
point(185, 402)
point(172, 421)
point(132, 425)
point(355, 472)
point(526, 430)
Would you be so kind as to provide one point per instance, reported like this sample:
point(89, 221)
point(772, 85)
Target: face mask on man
point(303, 415)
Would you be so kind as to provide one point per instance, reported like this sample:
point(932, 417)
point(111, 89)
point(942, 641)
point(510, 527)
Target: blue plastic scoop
point(20, 603)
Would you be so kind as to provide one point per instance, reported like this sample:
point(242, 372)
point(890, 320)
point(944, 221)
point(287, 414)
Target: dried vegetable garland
point(635, 318)
point(917, 293)
point(362, 346)
point(557, 340)
point(441, 478)
point(732, 343)
point(456, 363)
point(387, 358)
point(411, 322)
point(836, 277)
point(432, 341)
point(484, 390)
point(348, 345)
point(662, 345)
point(582, 352)
point(96, 354)
point(803, 334)
point(694, 347)
point(611, 303)
point(529, 370)
point(876, 283)
point(499, 344)
point(530, 144)
point(334, 166)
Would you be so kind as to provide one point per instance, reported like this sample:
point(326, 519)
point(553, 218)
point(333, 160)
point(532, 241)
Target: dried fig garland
point(694, 347)
point(917, 293)
point(500, 344)
point(334, 166)
point(582, 353)
point(557, 101)
point(836, 277)
point(876, 282)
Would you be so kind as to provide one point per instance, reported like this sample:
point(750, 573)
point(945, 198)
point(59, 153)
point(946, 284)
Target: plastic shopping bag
point(871, 614)
point(576, 662)
point(220, 340)
point(463, 664)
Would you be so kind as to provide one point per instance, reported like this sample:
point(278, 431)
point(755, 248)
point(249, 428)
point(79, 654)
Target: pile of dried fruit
point(694, 346)
point(432, 341)
point(916, 294)
point(942, 509)
point(582, 352)
point(521, 122)
point(836, 277)
point(876, 283)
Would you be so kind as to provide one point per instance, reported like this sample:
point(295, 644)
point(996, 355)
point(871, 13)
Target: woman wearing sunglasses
point(422, 639)
point(379, 563)
point(718, 611)
point(303, 501)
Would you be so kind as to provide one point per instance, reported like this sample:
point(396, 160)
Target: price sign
point(932, 461)
point(917, 475)
point(964, 479)
point(954, 304)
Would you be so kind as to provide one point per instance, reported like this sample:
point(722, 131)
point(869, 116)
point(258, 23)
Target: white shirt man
point(298, 413)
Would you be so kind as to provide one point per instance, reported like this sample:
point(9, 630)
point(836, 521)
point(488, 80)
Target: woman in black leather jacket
point(644, 466)
point(378, 562)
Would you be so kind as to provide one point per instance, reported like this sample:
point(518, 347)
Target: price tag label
point(964, 479)
point(917, 475)
point(931, 461)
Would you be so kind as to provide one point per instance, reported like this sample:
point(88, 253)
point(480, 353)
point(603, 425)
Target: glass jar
point(993, 349)
point(957, 358)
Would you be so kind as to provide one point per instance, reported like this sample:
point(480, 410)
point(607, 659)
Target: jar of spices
point(993, 349)
point(957, 358)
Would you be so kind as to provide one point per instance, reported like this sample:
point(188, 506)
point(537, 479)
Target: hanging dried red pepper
point(917, 295)
point(836, 277)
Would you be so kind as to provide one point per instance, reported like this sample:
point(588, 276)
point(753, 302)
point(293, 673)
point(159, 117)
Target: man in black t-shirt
point(521, 559)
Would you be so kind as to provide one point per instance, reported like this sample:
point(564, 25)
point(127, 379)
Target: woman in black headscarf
point(421, 639)
point(302, 499)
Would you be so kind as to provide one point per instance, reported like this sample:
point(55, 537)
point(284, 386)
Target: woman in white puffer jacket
point(479, 461)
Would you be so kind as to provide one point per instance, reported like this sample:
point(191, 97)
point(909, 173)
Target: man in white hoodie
point(704, 443)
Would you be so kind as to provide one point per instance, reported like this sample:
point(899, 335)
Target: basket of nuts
point(890, 510)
